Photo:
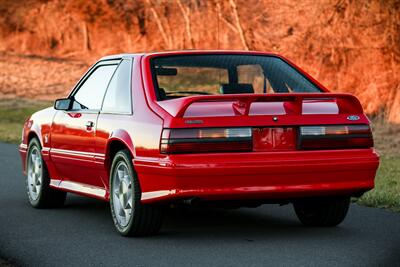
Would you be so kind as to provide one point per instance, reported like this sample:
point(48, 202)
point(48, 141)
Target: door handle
point(89, 124)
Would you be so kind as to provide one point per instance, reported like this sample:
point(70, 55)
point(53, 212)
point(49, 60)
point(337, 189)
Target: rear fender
point(123, 137)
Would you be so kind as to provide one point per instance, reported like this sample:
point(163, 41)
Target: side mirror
point(62, 104)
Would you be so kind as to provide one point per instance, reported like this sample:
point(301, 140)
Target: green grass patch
point(386, 193)
point(13, 113)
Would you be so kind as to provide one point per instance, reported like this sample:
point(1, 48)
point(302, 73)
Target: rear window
point(186, 75)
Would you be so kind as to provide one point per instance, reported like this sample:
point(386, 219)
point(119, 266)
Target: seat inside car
point(237, 88)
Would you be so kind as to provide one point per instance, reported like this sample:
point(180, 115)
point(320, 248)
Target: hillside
point(350, 46)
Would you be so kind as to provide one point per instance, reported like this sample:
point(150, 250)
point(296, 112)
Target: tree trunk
point(164, 35)
point(238, 24)
point(86, 39)
point(186, 17)
point(394, 108)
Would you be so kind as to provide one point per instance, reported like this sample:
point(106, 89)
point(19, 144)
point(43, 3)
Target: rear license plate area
point(274, 138)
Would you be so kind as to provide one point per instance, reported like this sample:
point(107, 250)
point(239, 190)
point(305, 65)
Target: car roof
point(185, 52)
point(119, 56)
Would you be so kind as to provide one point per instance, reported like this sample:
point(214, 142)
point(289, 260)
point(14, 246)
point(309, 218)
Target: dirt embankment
point(350, 46)
point(36, 77)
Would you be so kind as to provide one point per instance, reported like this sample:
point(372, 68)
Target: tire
point(37, 182)
point(130, 216)
point(322, 212)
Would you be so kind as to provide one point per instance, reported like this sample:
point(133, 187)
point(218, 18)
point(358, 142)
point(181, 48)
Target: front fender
point(38, 125)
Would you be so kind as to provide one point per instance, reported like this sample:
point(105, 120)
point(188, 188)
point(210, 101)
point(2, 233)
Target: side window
point(91, 93)
point(118, 96)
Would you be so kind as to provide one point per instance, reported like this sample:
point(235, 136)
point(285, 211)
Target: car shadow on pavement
point(250, 224)
point(267, 221)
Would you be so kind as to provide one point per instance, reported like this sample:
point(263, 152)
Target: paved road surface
point(82, 234)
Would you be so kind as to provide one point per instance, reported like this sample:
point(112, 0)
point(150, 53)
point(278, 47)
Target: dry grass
point(386, 137)
point(35, 77)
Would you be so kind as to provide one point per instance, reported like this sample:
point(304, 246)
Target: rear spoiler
point(347, 103)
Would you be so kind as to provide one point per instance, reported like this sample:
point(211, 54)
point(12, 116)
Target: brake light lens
point(335, 137)
point(200, 140)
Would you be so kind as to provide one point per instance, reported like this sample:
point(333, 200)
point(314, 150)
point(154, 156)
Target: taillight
point(200, 140)
point(335, 137)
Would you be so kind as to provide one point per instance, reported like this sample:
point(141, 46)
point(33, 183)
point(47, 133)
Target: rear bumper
point(264, 175)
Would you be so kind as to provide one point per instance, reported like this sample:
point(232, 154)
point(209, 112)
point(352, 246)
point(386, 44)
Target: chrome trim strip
point(54, 182)
point(83, 188)
point(150, 162)
point(23, 146)
point(76, 153)
point(157, 194)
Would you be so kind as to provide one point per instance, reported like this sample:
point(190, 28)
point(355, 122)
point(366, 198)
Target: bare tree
point(166, 38)
point(86, 40)
point(186, 17)
point(223, 19)
point(238, 24)
point(394, 106)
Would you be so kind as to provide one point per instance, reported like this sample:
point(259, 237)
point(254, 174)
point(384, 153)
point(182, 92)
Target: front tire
point(40, 194)
point(130, 216)
point(322, 212)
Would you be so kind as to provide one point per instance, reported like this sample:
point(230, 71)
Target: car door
point(73, 131)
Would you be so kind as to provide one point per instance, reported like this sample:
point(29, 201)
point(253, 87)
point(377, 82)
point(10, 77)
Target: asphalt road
point(82, 234)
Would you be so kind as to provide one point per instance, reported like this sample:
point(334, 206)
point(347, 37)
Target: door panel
point(73, 147)
point(73, 131)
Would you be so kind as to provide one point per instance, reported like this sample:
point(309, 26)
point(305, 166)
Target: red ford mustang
point(227, 128)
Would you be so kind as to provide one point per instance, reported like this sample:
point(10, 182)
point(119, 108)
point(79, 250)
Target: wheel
point(130, 216)
point(326, 212)
point(40, 194)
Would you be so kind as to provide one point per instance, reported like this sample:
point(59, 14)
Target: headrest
point(237, 88)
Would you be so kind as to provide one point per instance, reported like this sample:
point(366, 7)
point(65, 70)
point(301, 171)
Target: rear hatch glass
point(214, 74)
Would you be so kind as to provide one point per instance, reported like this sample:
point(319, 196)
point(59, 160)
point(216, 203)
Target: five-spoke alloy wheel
point(122, 192)
point(35, 173)
point(130, 216)
point(40, 194)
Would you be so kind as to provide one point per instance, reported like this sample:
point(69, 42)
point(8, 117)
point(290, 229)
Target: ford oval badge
point(353, 118)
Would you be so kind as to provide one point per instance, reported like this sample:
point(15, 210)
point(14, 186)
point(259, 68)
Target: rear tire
point(323, 212)
point(40, 194)
point(130, 216)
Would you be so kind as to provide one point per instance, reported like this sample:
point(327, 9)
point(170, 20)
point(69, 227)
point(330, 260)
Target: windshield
point(186, 75)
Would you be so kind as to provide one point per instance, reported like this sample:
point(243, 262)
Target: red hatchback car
point(227, 128)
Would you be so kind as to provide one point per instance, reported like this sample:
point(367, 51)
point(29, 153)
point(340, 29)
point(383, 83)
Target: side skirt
point(79, 188)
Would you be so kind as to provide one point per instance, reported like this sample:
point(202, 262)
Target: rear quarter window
point(118, 96)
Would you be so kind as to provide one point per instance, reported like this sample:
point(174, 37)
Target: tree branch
point(229, 24)
point(164, 35)
point(238, 24)
point(186, 17)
